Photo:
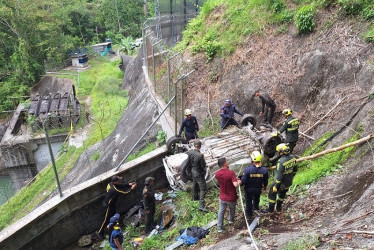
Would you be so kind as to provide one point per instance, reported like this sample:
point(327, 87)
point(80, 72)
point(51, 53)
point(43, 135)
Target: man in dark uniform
point(198, 171)
point(149, 203)
point(286, 170)
point(255, 178)
point(268, 106)
point(191, 126)
point(291, 126)
point(227, 113)
point(113, 189)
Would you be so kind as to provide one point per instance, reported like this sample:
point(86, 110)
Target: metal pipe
point(52, 157)
point(168, 67)
point(158, 117)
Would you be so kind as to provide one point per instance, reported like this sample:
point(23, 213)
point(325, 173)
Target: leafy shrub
point(278, 6)
point(161, 137)
point(304, 19)
point(368, 12)
point(351, 7)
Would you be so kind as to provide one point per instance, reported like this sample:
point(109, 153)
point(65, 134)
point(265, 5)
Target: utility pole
point(51, 153)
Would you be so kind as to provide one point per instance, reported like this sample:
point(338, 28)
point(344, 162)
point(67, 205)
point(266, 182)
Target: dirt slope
point(309, 74)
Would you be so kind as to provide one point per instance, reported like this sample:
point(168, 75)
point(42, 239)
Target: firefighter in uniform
point(149, 203)
point(113, 189)
point(198, 171)
point(268, 106)
point(286, 170)
point(190, 125)
point(291, 126)
point(254, 179)
point(227, 113)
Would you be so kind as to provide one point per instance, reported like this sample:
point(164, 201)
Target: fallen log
point(331, 150)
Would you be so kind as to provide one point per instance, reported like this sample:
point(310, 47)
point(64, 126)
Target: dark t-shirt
point(227, 190)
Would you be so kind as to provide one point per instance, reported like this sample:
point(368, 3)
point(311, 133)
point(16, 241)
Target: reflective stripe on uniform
point(271, 201)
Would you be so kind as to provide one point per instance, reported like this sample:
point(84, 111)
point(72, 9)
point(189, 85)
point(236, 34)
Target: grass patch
point(312, 170)
point(103, 83)
point(150, 147)
point(308, 241)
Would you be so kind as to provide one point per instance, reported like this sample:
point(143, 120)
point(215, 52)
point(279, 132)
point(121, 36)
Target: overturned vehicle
point(235, 144)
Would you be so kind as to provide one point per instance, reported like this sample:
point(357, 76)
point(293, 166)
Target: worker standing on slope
point(190, 126)
point(198, 171)
point(268, 106)
point(113, 189)
point(255, 178)
point(228, 183)
point(291, 126)
point(149, 203)
point(227, 113)
point(286, 170)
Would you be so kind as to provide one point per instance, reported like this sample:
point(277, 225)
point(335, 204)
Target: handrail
point(158, 117)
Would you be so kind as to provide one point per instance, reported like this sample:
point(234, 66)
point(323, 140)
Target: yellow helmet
point(256, 156)
point(283, 147)
point(187, 112)
point(287, 111)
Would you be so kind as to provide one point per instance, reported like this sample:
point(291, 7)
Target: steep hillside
point(310, 74)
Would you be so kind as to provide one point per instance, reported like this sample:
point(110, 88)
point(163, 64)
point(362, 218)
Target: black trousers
point(281, 193)
point(268, 115)
point(109, 211)
point(149, 220)
point(252, 201)
point(199, 186)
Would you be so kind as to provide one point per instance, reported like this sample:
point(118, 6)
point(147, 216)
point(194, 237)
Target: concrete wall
point(62, 221)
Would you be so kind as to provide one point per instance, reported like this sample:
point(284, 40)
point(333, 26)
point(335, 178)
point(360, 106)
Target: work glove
point(275, 189)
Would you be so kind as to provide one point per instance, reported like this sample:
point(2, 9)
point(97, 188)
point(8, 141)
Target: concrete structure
point(79, 60)
point(61, 221)
point(19, 148)
point(101, 47)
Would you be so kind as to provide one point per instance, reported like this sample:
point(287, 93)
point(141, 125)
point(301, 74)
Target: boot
point(270, 209)
point(279, 206)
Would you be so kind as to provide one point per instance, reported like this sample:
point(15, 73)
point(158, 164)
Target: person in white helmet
point(189, 125)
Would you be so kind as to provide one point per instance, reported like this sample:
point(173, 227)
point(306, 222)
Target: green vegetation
point(304, 19)
point(161, 137)
point(222, 25)
point(308, 241)
point(150, 147)
point(102, 81)
point(311, 171)
point(36, 36)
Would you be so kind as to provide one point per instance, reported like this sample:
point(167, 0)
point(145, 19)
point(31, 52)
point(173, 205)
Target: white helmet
point(187, 112)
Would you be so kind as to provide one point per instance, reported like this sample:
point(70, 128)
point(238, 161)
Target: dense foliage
point(223, 25)
point(37, 33)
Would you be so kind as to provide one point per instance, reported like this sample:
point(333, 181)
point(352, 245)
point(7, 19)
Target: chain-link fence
point(166, 69)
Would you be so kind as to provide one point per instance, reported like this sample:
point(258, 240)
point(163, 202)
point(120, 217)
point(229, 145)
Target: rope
point(245, 217)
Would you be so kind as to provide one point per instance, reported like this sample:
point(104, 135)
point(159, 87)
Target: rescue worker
point(291, 126)
point(254, 179)
point(227, 113)
point(116, 235)
point(228, 183)
point(198, 171)
point(190, 125)
point(149, 203)
point(113, 190)
point(286, 170)
point(268, 106)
